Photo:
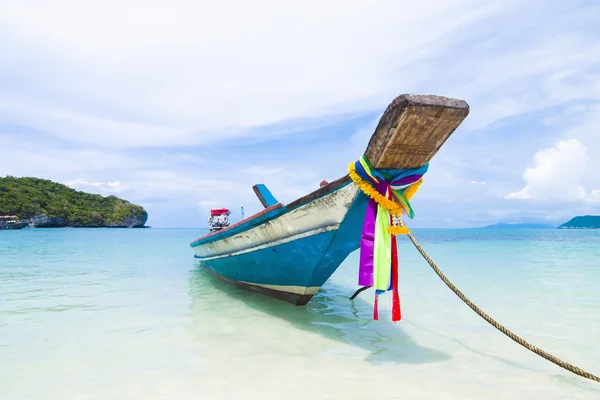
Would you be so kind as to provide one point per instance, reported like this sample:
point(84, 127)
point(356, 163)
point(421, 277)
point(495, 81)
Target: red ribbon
point(396, 314)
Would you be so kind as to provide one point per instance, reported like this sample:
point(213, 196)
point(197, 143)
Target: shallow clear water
point(121, 314)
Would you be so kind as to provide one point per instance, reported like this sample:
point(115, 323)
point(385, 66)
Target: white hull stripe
point(301, 290)
point(323, 212)
point(273, 243)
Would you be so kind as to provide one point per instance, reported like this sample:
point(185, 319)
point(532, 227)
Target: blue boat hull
point(294, 270)
point(289, 251)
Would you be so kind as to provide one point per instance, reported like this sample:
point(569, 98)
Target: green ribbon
point(382, 250)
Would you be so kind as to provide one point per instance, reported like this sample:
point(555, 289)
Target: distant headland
point(48, 204)
point(582, 222)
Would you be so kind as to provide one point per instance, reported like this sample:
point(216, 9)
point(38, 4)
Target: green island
point(582, 222)
point(50, 204)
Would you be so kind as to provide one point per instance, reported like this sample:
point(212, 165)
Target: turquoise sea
point(127, 314)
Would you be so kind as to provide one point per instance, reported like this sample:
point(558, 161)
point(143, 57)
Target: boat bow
point(289, 251)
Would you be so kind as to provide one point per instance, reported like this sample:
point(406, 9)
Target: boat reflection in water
point(231, 320)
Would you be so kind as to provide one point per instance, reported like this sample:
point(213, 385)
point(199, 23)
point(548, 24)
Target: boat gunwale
point(239, 227)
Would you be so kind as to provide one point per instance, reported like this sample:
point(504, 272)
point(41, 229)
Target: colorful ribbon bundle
point(388, 199)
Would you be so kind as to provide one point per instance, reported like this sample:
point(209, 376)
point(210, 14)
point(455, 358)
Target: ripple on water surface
point(123, 314)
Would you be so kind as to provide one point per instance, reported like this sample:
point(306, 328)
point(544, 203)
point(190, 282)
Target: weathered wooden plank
point(412, 129)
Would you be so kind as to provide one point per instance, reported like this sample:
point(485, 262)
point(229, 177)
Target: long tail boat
point(10, 222)
point(288, 251)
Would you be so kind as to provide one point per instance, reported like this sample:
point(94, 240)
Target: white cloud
point(181, 72)
point(206, 205)
point(261, 170)
point(29, 156)
point(530, 67)
point(111, 186)
point(557, 173)
point(89, 87)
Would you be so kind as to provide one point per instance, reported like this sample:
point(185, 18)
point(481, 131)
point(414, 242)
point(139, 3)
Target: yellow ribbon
point(394, 208)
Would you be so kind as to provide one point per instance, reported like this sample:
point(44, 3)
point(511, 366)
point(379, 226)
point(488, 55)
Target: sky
point(181, 106)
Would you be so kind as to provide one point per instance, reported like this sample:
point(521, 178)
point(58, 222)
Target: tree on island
point(53, 204)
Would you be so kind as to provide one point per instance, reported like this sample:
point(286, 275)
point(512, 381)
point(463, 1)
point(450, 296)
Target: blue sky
point(181, 106)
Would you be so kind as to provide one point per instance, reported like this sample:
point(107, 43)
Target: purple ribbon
point(367, 240)
point(407, 180)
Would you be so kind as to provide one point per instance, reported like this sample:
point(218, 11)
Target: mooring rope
point(494, 323)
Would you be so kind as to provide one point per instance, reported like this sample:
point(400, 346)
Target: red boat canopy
point(219, 211)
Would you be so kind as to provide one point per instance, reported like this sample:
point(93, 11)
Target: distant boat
point(289, 251)
point(9, 222)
